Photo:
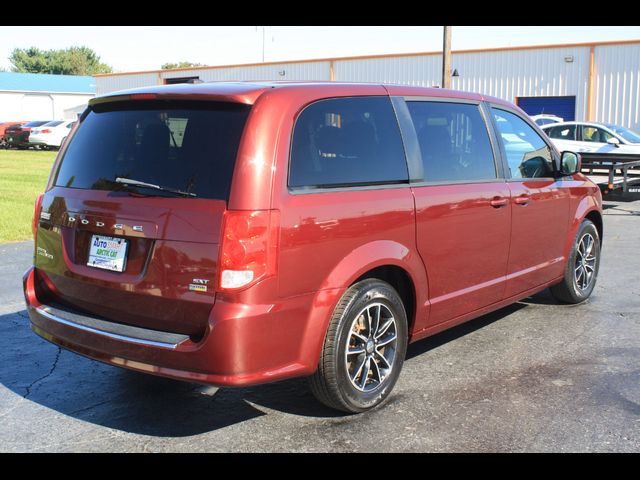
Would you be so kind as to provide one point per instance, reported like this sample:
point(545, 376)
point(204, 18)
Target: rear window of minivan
point(180, 145)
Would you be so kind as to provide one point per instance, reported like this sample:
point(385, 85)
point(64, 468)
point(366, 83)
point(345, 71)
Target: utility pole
point(446, 58)
point(263, 37)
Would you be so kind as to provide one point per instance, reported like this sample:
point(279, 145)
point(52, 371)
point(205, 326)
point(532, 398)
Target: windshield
point(629, 135)
point(36, 123)
point(185, 146)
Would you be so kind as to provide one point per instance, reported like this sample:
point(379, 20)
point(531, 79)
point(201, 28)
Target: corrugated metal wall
point(419, 70)
point(526, 73)
point(112, 83)
point(506, 74)
point(286, 71)
point(617, 85)
point(36, 106)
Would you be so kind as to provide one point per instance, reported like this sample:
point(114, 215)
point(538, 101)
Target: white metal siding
point(62, 102)
point(292, 71)
point(418, 70)
point(617, 85)
point(526, 73)
point(506, 74)
point(38, 106)
point(122, 82)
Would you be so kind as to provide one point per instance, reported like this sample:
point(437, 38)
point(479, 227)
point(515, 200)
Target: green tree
point(170, 65)
point(68, 61)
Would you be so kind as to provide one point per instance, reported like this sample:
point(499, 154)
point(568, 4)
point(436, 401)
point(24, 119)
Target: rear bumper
point(245, 344)
point(38, 140)
point(19, 140)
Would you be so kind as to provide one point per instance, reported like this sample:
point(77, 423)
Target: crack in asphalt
point(90, 407)
point(44, 377)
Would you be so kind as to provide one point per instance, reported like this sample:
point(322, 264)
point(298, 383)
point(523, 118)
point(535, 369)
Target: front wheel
point(581, 271)
point(364, 348)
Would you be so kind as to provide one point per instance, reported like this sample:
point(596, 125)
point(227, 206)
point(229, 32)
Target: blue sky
point(147, 48)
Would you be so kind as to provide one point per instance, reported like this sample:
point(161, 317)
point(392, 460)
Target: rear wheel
point(582, 266)
point(364, 348)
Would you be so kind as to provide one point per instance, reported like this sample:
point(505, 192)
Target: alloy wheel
point(371, 347)
point(585, 264)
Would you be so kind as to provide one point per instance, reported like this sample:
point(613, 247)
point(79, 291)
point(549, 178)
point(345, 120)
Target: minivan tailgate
point(171, 261)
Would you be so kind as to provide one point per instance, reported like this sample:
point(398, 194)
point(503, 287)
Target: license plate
point(109, 253)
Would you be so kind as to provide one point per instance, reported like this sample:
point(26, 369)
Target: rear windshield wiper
point(137, 183)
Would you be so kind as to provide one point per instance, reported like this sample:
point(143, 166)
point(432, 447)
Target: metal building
point(30, 96)
point(586, 81)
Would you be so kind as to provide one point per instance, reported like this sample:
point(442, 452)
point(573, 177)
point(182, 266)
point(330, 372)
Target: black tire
point(374, 304)
point(577, 285)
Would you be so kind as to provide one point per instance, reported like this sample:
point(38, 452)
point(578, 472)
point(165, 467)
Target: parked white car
point(590, 137)
point(546, 119)
point(51, 134)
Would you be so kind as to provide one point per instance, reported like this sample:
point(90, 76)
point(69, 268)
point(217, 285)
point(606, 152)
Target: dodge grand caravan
point(243, 233)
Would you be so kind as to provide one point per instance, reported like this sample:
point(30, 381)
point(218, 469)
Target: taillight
point(36, 215)
point(249, 248)
point(46, 130)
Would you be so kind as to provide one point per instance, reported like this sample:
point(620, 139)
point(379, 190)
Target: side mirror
point(614, 141)
point(570, 163)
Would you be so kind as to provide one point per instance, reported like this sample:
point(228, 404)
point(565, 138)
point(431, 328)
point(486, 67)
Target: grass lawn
point(23, 175)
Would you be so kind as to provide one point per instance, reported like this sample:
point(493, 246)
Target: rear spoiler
point(134, 97)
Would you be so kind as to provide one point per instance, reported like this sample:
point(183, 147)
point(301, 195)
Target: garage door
point(564, 107)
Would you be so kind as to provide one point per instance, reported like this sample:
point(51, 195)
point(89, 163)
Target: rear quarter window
point(351, 141)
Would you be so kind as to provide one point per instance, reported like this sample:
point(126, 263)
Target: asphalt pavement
point(535, 376)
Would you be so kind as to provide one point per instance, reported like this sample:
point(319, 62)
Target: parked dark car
point(237, 234)
point(3, 128)
point(17, 136)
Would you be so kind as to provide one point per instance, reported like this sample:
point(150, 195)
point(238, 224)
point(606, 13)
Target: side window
point(454, 142)
point(593, 134)
point(347, 142)
point(563, 132)
point(528, 155)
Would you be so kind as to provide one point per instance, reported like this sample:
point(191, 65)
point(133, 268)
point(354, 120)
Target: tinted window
point(454, 141)
point(593, 134)
point(55, 123)
point(186, 146)
point(347, 141)
point(528, 155)
point(563, 132)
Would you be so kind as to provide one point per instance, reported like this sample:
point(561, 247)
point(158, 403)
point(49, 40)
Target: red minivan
point(243, 233)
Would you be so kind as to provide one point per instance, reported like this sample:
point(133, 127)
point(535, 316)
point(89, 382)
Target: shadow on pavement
point(435, 341)
point(144, 404)
point(130, 401)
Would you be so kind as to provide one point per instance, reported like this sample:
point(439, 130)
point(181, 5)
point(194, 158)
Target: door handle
point(522, 200)
point(498, 202)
